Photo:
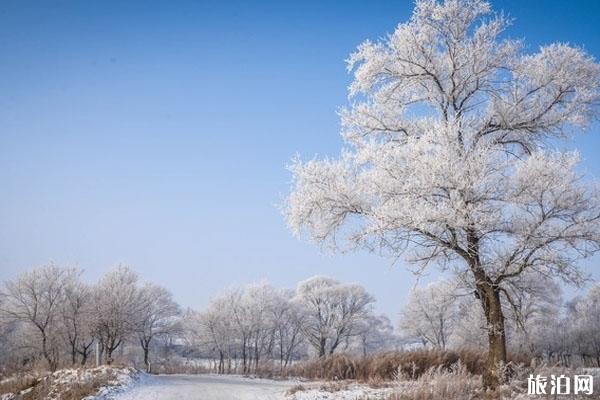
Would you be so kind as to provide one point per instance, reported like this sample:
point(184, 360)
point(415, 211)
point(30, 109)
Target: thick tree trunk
point(492, 307)
point(489, 296)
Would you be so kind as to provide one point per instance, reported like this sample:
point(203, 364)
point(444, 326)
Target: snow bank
point(345, 392)
point(100, 383)
point(122, 379)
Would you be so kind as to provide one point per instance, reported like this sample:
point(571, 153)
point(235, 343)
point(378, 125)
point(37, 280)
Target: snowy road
point(205, 387)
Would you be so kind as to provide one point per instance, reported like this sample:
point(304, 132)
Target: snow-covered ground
point(230, 387)
point(123, 379)
point(204, 387)
point(351, 392)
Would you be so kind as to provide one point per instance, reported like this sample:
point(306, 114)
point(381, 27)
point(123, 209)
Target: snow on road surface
point(205, 387)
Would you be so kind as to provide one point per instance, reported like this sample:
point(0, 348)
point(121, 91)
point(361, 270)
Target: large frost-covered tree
point(447, 157)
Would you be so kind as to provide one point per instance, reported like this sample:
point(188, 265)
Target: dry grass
point(18, 383)
point(74, 391)
point(459, 384)
point(385, 366)
point(454, 383)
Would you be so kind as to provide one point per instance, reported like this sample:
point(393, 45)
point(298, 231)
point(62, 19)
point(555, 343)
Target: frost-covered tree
point(446, 159)
point(157, 317)
point(117, 307)
point(213, 331)
point(255, 323)
point(584, 322)
point(469, 328)
point(259, 301)
point(76, 311)
point(533, 301)
point(334, 312)
point(288, 319)
point(34, 299)
point(431, 313)
point(375, 335)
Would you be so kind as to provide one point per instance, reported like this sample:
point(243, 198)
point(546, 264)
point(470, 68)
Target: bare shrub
point(295, 389)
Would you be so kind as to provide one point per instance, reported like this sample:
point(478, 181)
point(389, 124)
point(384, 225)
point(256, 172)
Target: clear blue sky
point(156, 134)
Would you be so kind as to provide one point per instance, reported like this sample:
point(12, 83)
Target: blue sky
point(157, 134)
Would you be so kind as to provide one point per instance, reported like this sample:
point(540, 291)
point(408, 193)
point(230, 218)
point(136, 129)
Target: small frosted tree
point(118, 303)
point(333, 312)
point(34, 299)
point(375, 335)
point(213, 331)
point(77, 318)
point(446, 159)
point(431, 313)
point(158, 317)
point(585, 324)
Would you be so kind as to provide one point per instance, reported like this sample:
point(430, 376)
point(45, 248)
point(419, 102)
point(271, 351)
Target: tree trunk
point(73, 355)
point(145, 342)
point(221, 362)
point(489, 296)
point(108, 356)
point(84, 356)
point(146, 360)
point(496, 359)
point(244, 356)
point(52, 362)
point(322, 343)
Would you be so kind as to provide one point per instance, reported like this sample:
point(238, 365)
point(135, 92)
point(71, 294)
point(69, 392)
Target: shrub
point(295, 389)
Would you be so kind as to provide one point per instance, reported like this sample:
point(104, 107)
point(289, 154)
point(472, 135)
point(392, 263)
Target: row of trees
point(244, 326)
point(51, 313)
